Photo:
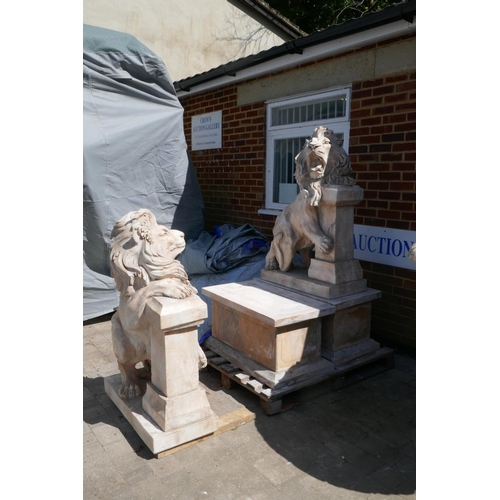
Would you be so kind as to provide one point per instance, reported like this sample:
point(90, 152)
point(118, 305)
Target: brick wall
point(382, 151)
point(232, 179)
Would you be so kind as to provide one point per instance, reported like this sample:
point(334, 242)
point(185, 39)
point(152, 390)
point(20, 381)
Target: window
point(289, 123)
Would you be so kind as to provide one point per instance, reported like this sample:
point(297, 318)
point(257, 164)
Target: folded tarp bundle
point(229, 247)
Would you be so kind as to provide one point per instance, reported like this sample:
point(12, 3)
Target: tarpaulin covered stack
point(134, 154)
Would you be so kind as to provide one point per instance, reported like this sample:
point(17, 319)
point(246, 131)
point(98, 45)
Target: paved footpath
point(354, 443)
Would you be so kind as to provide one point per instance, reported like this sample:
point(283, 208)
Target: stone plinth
point(336, 219)
point(156, 439)
point(346, 334)
point(174, 409)
point(298, 279)
point(273, 332)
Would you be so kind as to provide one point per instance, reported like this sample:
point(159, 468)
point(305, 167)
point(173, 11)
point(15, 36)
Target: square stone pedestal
point(174, 409)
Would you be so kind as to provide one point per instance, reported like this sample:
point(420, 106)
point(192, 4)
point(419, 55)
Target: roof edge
point(405, 11)
point(274, 16)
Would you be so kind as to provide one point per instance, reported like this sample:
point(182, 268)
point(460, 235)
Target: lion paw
point(202, 360)
point(272, 265)
point(326, 244)
point(181, 291)
point(129, 390)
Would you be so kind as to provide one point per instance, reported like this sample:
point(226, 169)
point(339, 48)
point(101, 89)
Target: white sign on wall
point(383, 245)
point(206, 131)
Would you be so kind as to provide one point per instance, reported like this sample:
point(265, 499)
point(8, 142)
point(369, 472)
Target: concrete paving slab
point(296, 454)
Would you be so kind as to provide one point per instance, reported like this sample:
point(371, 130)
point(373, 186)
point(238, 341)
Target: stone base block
point(335, 272)
point(177, 411)
point(342, 356)
point(297, 279)
point(287, 378)
point(155, 438)
point(346, 327)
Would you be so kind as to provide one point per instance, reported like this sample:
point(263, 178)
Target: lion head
point(321, 161)
point(142, 251)
point(311, 163)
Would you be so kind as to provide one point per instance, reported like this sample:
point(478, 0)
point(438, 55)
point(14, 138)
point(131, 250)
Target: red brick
point(409, 196)
point(393, 137)
point(373, 83)
point(403, 207)
point(397, 78)
point(390, 195)
point(391, 157)
point(406, 106)
point(403, 87)
point(374, 120)
point(371, 102)
point(379, 167)
point(361, 94)
point(382, 129)
point(389, 176)
point(382, 110)
point(369, 139)
point(404, 127)
point(388, 214)
point(402, 186)
point(359, 131)
point(360, 113)
point(378, 186)
point(395, 118)
point(404, 146)
point(387, 89)
point(380, 148)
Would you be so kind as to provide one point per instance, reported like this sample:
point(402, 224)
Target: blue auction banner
point(383, 245)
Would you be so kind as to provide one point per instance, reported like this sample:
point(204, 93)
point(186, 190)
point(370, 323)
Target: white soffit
point(320, 51)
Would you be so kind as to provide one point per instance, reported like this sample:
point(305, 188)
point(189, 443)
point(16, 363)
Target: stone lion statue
point(143, 265)
point(412, 254)
point(321, 161)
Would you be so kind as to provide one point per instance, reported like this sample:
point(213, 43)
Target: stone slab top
point(278, 305)
point(166, 313)
point(342, 195)
point(268, 303)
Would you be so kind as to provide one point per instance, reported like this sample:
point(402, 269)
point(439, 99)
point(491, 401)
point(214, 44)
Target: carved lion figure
point(321, 161)
point(297, 228)
point(143, 265)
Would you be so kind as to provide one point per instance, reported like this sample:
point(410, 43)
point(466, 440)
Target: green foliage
point(313, 15)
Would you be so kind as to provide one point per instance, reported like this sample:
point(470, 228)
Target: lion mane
point(338, 167)
point(143, 264)
point(311, 163)
point(143, 251)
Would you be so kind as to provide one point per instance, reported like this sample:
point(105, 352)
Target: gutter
point(400, 12)
point(274, 16)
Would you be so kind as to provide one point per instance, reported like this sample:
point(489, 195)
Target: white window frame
point(302, 129)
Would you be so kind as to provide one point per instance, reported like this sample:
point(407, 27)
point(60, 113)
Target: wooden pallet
point(227, 422)
point(271, 399)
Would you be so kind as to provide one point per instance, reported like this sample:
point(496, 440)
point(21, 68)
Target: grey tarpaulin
point(134, 154)
point(230, 247)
